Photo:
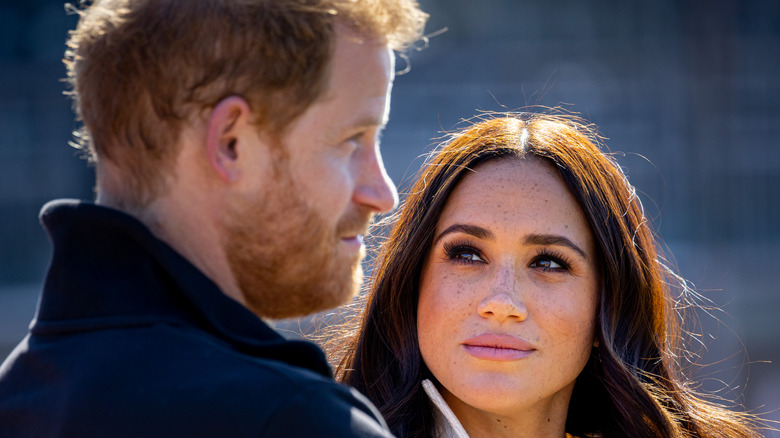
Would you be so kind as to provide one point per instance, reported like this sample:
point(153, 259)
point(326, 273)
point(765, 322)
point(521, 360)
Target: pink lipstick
point(500, 348)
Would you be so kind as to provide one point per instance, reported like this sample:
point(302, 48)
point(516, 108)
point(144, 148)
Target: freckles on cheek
point(561, 315)
point(563, 308)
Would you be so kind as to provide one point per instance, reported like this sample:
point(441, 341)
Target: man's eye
point(360, 138)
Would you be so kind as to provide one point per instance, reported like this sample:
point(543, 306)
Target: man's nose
point(374, 188)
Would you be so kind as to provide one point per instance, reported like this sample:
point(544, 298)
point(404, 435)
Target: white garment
point(447, 424)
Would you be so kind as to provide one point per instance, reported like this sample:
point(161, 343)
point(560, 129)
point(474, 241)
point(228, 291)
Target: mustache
point(355, 222)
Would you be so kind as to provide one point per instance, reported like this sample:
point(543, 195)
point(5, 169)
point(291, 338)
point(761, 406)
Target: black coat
point(131, 340)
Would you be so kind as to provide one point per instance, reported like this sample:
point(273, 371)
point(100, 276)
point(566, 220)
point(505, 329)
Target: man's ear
point(228, 125)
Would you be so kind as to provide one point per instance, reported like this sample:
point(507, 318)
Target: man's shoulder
point(211, 355)
point(170, 380)
point(282, 399)
point(326, 410)
point(278, 398)
point(178, 358)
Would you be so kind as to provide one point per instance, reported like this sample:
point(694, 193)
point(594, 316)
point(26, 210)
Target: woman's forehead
point(517, 196)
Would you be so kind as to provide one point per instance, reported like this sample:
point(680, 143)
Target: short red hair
point(140, 69)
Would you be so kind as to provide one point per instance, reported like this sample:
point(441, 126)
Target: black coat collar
point(109, 270)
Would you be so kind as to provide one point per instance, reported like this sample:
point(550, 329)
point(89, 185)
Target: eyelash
point(555, 256)
point(362, 135)
point(453, 250)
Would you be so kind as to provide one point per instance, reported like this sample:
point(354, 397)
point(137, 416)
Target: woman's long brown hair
point(633, 385)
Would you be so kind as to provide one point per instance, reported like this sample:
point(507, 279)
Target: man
point(236, 151)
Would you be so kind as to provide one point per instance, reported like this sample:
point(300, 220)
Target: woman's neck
point(491, 426)
point(542, 420)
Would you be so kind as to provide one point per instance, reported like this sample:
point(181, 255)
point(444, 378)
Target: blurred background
point(686, 91)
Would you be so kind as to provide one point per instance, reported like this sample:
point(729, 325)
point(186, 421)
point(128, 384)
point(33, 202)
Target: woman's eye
point(468, 255)
point(463, 254)
point(550, 263)
point(547, 264)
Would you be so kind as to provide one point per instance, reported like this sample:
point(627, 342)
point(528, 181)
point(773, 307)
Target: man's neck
point(191, 233)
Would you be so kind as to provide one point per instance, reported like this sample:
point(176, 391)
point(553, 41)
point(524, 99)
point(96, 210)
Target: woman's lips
point(498, 347)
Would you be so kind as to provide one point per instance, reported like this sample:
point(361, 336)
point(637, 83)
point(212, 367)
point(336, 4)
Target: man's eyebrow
point(362, 123)
point(555, 240)
point(473, 230)
point(351, 128)
point(371, 122)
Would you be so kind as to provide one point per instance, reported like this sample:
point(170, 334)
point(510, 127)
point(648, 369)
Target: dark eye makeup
point(547, 259)
point(466, 252)
point(462, 252)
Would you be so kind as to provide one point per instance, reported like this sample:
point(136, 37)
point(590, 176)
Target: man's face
point(295, 243)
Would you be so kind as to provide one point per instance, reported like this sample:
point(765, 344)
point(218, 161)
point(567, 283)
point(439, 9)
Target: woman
point(520, 294)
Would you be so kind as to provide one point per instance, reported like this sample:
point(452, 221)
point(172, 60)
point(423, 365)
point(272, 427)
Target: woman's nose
point(504, 300)
point(502, 307)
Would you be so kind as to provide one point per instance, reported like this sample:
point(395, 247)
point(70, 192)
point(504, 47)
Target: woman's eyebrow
point(472, 230)
point(531, 239)
point(553, 239)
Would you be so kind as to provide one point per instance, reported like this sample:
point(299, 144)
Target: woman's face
point(508, 293)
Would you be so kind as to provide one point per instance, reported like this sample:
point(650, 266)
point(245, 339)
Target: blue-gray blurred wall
point(688, 91)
